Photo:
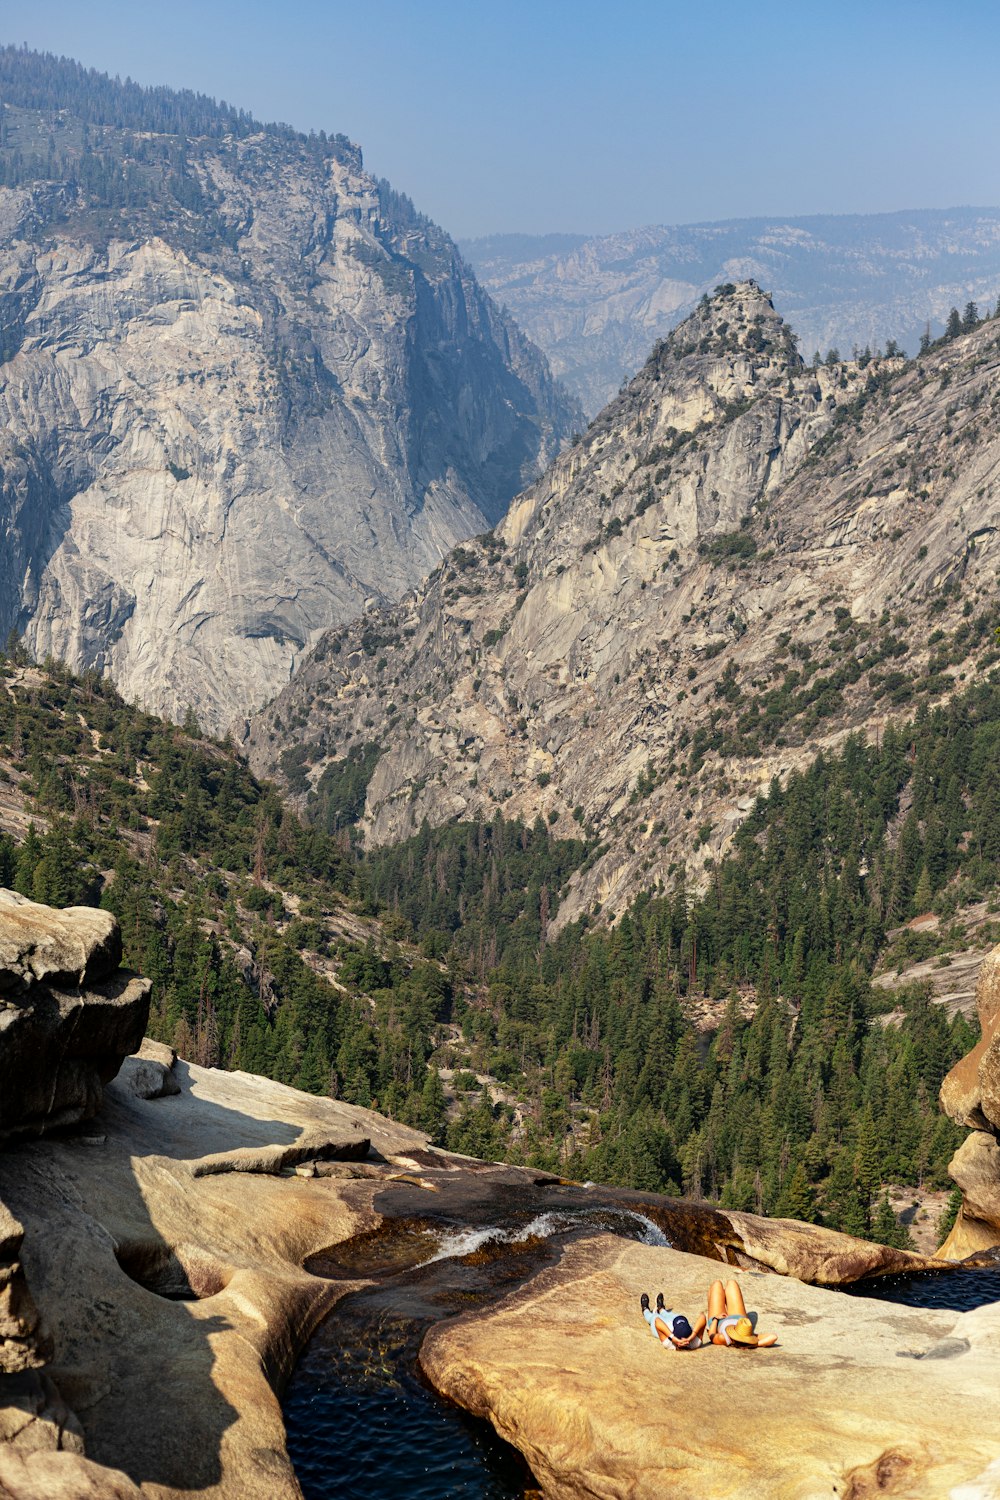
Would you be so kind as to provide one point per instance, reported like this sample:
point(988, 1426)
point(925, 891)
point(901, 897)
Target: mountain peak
point(737, 321)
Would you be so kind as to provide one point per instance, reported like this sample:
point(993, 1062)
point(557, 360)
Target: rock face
point(230, 425)
point(172, 1291)
point(620, 653)
point(168, 1298)
point(858, 1399)
point(68, 1016)
point(971, 1095)
point(595, 305)
point(167, 1266)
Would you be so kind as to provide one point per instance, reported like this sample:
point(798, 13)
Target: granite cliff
point(743, 559)
point(595, 304)
point(244, 387)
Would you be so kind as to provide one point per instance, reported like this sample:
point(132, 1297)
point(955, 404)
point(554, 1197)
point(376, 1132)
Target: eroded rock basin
point(182, 1253)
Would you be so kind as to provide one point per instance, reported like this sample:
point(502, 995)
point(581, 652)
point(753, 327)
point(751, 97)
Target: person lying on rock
point(670, 1327)
point(729, 1323)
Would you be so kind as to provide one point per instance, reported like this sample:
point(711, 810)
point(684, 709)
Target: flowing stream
point(362, 1423)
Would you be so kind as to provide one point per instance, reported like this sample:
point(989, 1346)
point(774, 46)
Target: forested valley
point(725, 1043)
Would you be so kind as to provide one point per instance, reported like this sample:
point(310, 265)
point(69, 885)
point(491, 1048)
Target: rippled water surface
point(959, 1290)
point(361, 1426)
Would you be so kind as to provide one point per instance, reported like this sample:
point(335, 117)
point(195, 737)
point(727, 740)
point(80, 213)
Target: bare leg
point(662, 1330)
point(716, 1306)
point(735, 1306)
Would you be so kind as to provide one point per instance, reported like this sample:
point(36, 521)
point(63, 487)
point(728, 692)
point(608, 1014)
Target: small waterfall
point(453, 1244)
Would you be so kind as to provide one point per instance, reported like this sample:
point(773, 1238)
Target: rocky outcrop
point(166, 1248)
point(177, 1303)
point(858, 1399)
point(68, 1015)
point(46, 1475)
point(227, 427)
point(697, 597)
point(149, 1074)
point(22, 1345)
point(971, 1095)
point(596, 304)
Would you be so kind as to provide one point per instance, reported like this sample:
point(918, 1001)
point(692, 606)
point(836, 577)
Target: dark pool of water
point(959, 1290)
point(363, 1426)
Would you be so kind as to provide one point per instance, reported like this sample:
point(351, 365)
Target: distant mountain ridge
point(743, 559)
point(245, 388)
point(595, 304)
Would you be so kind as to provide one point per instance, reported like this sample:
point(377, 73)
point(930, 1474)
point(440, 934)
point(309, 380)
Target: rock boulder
point(67, 948)
point(970, 1094)
point(68, 1015)
point(21, 1344)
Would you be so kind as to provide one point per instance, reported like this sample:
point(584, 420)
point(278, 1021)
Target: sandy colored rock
point(60, 1476)
point(859, 1399)
point(151, 1051)
point(272, 1159)
point(989, 1079)
point(970, 1093)
point(68, 1014)
point(149, 1074)
point(967, 1236)
point(22, 1344)
point(177, 1303)
point(975, 1168)
point(58, 1050)
point(113, 1238)
point(35, 1418)
point(823, 1257)
point(65, 948)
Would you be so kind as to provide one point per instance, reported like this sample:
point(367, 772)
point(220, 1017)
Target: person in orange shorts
point(729, 1323)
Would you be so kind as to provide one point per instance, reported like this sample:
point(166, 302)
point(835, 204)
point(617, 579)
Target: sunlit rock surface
point(173, 1294)
point(858, 1399)
point(68, 1015)
point(611, 660)
point(971, 1095)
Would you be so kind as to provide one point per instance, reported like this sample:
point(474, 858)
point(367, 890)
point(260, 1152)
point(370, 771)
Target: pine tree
point(887, 1229)
point(923, 895)
point(433, 1105)
point(798, 1201)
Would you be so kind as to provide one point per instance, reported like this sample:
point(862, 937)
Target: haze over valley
point(595, 304)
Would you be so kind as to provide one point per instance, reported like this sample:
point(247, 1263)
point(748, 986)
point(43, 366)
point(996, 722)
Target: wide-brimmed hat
point(741, 1332)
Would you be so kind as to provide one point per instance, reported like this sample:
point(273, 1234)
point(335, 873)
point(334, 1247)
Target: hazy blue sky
point(547, 115)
